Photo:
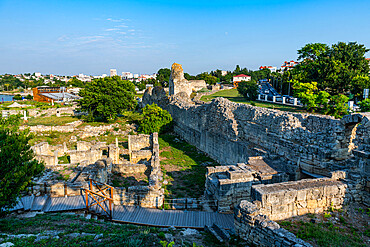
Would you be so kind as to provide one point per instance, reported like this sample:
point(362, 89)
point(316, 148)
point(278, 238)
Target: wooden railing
point(104, 193)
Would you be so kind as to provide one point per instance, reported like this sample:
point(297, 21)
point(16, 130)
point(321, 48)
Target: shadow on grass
point(183, 166)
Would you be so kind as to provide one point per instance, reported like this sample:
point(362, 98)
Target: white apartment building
point(272, 69)
point(127, 75)
point(113, 72)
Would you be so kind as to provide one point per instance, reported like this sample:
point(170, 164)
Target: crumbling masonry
point(296, 144)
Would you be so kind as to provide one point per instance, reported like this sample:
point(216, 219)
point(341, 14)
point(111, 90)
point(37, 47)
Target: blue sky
point(70, 37)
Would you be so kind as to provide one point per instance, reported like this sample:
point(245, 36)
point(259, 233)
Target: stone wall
point(128, 168)
point(90, 156)
point(231, 184)
point(284, 200)
point(139, 148)
point(178, 83)
point(260, 230)
point(145, 196)
point(231, 132)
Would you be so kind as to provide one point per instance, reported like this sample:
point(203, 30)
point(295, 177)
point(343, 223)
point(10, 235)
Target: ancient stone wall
point(231, 184)
point(231, 132)
point(284, 200)
point(260, 230)
point(128, 168)
point(178, 83)
point(139, 148)
point(145, 196)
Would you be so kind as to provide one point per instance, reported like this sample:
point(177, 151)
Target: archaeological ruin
point(100, 162)
point(275, 164)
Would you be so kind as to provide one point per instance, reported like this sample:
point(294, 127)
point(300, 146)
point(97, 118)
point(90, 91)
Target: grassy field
point(332, 228)
point(234, 96)
point(51, 121)
point(183, 166)
point(95, 233)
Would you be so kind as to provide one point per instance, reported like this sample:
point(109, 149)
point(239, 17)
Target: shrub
point(29, 97)
point(365, 105)
point(338, 105)
point(155, 119)
point(249, 89)
point(17, 97)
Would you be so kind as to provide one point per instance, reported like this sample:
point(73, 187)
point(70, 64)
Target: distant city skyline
point(92, 37)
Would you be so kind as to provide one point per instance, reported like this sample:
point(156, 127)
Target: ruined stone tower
point(178, 83)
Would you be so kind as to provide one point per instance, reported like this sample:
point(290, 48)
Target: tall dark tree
point(333, 68)
point(163, 76)
point(17, 163)
point(107, 97)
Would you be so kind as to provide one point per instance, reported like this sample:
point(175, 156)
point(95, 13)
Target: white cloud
point(111, 29)
point(117, 20)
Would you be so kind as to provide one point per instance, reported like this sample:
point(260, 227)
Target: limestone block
point(311, 204)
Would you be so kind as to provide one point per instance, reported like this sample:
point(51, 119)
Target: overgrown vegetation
point(105, 98)
point(51, 121)
point(17, 166)
point(183, 166)
point(154, 119)
point(332, 228)
point(97, 233)
point(249, 89)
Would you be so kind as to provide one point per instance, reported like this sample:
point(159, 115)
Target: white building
point(37, 74)
point(113, 72)
point(288, 65)
point(272, 69)
point(127, 75)
point(223, 72)
point(239, 78)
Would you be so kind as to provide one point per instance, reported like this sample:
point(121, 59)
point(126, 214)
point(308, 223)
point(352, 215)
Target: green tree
point(312, 51)
point(307, 93)
point(17, 166)
point(76, 82)
point(338, 105)
point(107, 97)
point(163, 76)
point(359, 83)
point(334, 68)
point(249, 89)
point(155, 119)
point(209, 79)
point(365, 105)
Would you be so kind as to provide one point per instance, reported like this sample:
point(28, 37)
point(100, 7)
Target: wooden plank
point(39, 202)
point(195, 221)
point(165, 216)
point(170, 217)
point(27, 202)
point(142, 216)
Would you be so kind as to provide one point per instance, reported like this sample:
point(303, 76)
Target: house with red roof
point(288, 65)
point(239, 78)
point(272, 69)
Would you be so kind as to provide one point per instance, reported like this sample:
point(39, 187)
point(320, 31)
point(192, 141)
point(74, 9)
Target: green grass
point(113, 234)
point(326, 235)
point(183, 166)
point(234, 96)
point(122, 235)
point(51, 121)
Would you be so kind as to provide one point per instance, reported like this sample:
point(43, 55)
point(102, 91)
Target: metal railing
point(189, 204)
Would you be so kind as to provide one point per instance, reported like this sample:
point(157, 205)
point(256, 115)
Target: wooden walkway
point(127, 214)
